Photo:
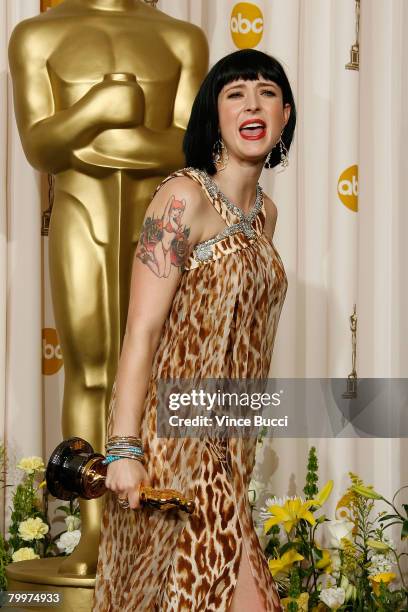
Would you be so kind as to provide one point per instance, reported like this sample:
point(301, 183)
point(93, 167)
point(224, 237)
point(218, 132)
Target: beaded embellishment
point(202, 251)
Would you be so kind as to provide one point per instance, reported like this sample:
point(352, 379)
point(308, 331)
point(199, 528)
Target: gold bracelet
point(132, 439)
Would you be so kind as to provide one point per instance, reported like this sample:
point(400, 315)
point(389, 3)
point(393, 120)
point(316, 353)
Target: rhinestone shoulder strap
point(203, 251)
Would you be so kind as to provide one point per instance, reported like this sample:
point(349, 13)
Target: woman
point(204, 305)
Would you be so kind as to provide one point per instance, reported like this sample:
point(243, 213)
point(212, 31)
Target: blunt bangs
point(202, 130)
point(241, 65)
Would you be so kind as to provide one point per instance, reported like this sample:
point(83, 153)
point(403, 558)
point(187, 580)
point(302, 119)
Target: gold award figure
point(103, 91)
point(353, 327)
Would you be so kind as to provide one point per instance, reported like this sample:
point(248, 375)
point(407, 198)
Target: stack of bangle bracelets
point(123, 447)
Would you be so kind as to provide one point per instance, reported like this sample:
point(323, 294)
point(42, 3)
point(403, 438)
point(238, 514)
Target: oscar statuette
point(351, 392)
point(75, 470)
point(354, 62)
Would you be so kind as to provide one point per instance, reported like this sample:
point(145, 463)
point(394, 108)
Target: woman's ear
point(286, 112)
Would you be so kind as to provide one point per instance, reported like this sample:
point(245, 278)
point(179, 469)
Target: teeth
point(252, 125)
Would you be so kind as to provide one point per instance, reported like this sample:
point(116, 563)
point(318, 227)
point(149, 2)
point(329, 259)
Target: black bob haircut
point(202, 129)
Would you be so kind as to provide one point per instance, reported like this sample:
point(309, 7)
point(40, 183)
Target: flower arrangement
point(29, 533)
point(359, 569)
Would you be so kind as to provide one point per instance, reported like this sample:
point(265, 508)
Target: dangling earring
point(284, 158)
point(220, 155)
point(268, 160)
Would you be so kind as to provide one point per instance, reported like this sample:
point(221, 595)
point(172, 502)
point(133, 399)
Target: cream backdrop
point(350, 136)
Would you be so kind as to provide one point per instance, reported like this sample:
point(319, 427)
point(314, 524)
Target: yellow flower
point(302, 602)
point(290, 514)
point(325, 563)
point(345, 505)
point(377, 545)
point(31, 464)
point(32, 529)
point(367, 492)
point(42, 484)
point(284, 563)
point(322, 496)
point(24, 554)
point(385, 577)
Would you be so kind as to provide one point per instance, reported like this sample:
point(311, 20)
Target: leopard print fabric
point(222, 323)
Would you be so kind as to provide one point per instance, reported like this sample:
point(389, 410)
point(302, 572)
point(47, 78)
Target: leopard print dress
point(222, 323)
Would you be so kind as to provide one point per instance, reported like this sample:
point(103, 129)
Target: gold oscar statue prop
point(75, 470)
point(352, 377)
point(354, 63)
point(103, 91)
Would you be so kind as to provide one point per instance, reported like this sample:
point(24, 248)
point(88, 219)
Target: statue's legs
point(84, 289)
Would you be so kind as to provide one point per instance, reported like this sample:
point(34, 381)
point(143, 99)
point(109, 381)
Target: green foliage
point(29, 501)
point(363, 566)
point(273, 542)
point(26, 505)
point(5, 559)
point(389, 601)
point(294, 583)
point(310, 489)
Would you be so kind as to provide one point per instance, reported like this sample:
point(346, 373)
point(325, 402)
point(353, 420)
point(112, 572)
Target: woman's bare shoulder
point(182, 187)
point(271, 215)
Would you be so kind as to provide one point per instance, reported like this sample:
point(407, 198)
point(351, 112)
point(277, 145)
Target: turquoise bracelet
point(110, 459)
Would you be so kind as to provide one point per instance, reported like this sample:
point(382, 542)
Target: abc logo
point(347, 188)
point(246, 25)
point(51, 352)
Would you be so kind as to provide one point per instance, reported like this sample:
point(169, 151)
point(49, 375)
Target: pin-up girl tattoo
point(163, 241)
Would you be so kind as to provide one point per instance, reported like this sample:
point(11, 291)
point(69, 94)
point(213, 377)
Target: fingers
point(134, 498)
point(127, 491)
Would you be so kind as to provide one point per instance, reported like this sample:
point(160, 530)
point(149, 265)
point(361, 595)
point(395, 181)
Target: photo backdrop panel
point(23, 414)
point(342, 272)
point(383, 215)
point(3, 232)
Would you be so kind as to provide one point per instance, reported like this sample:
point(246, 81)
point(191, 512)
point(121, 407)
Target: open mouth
point(253, 129)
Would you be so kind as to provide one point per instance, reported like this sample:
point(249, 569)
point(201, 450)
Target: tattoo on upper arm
point(163, 241)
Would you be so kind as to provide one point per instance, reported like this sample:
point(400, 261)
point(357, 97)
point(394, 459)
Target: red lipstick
point(253, 129)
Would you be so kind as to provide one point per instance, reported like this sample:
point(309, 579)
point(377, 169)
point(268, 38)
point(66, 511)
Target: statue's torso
point(82, 46)
point(117, 171)
point(93, 48)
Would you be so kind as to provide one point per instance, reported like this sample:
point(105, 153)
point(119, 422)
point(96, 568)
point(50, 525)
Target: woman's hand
point(124, 477)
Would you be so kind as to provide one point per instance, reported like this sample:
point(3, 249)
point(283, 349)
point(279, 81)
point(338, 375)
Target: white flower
point(254, 491)
point(264, 514)
point(32, 529)
point(325, 581)
point(332, 597)
point(29, 465)
point(339, 529)
point(335, 563)
point(380, 564)
point(69, 540)
point(24, 554)
point(72, 522)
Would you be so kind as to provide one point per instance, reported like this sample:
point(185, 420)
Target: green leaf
point(367, 492)
point(322, 519)
point(388, 517)
point(404, 530)
point(287, 547)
